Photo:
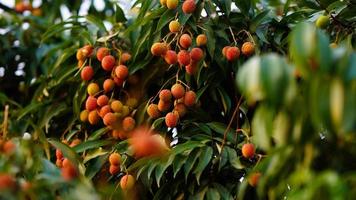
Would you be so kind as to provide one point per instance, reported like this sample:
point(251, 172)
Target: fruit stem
point(233, 36)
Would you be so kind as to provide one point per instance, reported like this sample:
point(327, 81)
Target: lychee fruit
point(121, 71)
point(185, 41)
point(174, 26)
point(171, 119)
point(102, 52)
point(171, 57)
point(87, 73)
point(188, 6)
point(248, 150)
point(201, 40)
point(165, 95)
point(183, 57)
point(153, 112)
point(177, 91)
point(232, 53)
point(248, 49)
point(108, 63)
point(196, 54)
point(189, 98)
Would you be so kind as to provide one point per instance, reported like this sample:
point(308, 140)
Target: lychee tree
point(197, 99)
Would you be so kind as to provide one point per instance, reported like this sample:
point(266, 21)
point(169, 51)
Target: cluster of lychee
point(185, 57)
point(68, 169)
point(188, 6)
point(101, 104)
point(232, 53)
point(114, 160)
point(127, 181)
point(177, 96)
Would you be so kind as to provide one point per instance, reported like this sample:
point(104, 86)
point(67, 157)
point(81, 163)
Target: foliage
point(294, 100)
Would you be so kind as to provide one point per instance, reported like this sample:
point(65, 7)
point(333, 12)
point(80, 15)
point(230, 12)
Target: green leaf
point(220, 128)
point(167, 16)
point(90, 144)
point(67, 152)
point(212, 194)
point(98, 133)
point(96, 21)
point(161, 168)
point(188, 166)
point(119, 14)
point(204, 159)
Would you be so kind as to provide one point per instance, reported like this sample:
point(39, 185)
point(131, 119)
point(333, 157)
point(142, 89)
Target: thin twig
point(230, 123)
point(5, 123)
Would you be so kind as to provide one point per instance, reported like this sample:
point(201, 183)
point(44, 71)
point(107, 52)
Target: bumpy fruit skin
point(109, 119)
point(118, 81)
point(201, 40)
point(91, 103)
point(152, 111)
point(115, 159)
point(125, 57)
point(232, 53)
point(180, 109)
point(114, 169)
point(92, 89)
point(178, 91)
point(172, 4)
point(322, 22)
point(116, 106)
point(254, 178)
point(224, 50)
point(174, 26)
point(59, 154)
point(196, 54)
point(192, 68)
point(108, 63)
point(171, 119)
point(248, 49)
point(183, 57)
point(248, 150)
point(121, 71)
point(87, 50)
point(104, 110)
point(190, 98)
point(87, 73)
point(108, 85)
point(185, 41)
point(159, 49)
point(80, 55)
point(93, 117)
point(102, 100)
point(84, 115)
point(188, 6)
point(171, 57)
point(165, 95)
point(128, 181)
point(7, 182)
point(164, 106)
point(128, 124)
point(69, 171)
point(102, 52)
